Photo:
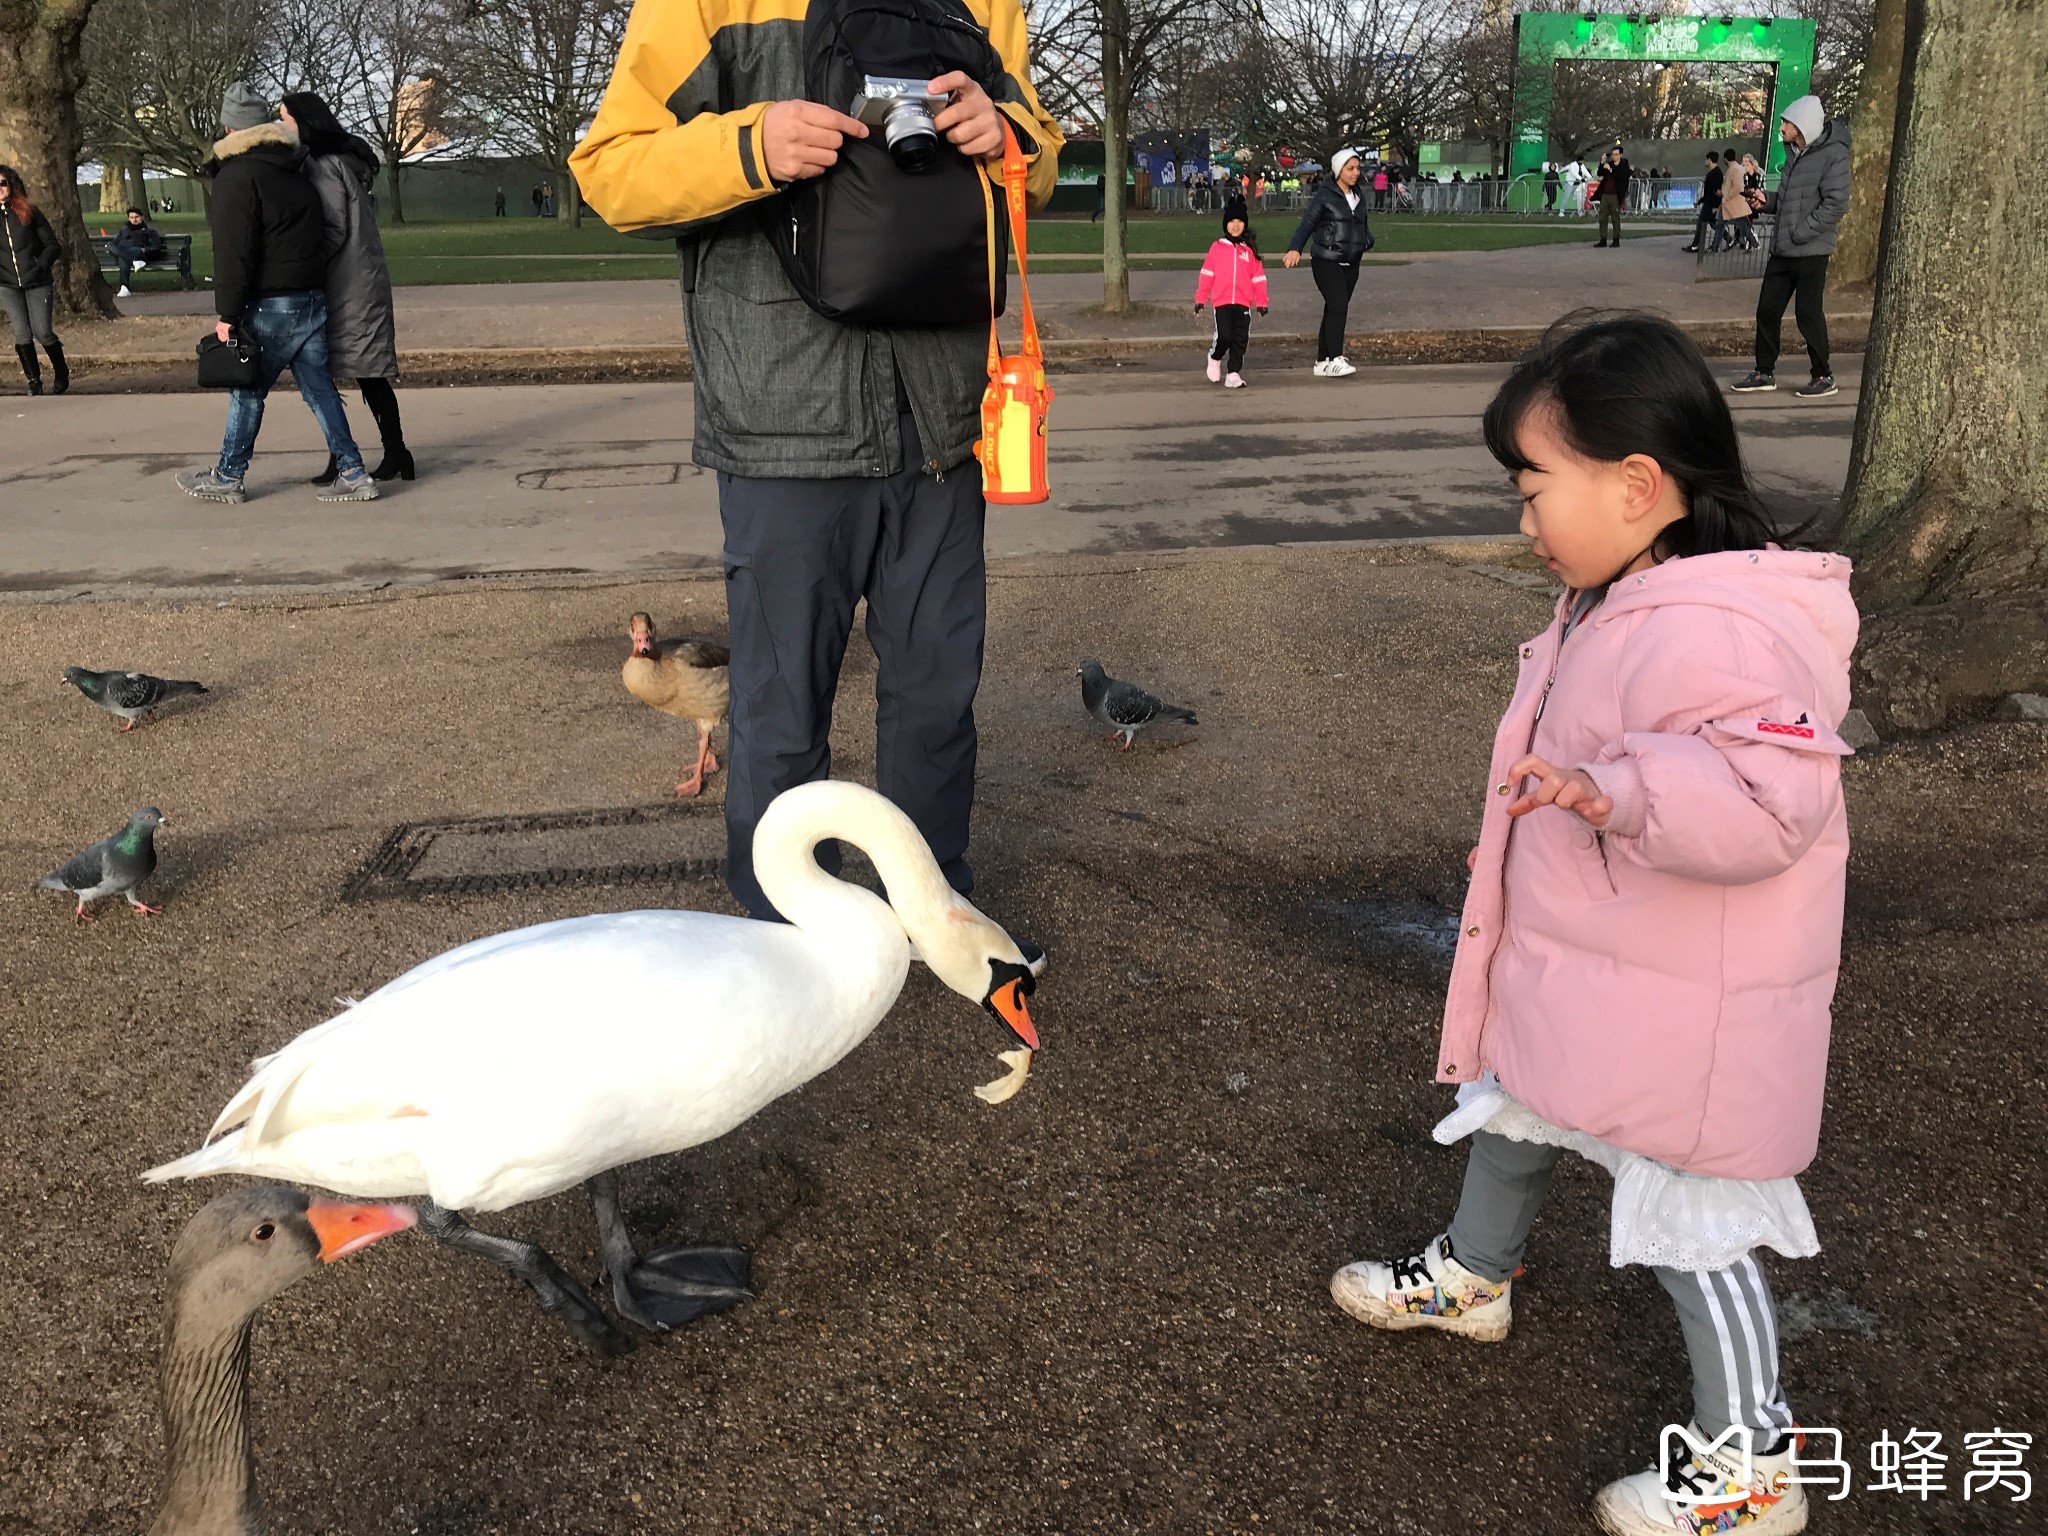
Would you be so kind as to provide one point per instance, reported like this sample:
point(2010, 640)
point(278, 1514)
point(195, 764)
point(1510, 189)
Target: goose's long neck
point(210, 1474)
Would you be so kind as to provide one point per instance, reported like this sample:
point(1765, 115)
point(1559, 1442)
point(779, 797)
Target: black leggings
point(382, 400)
point(1233, 330)
point(1335, 280)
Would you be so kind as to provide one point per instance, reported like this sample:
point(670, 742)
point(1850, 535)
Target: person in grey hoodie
point(1812, 196)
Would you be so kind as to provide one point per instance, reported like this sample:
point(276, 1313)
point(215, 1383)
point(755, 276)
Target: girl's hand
point(1198, 309)
point(1472, 861)
point(1262, 309)
point(1569, 789)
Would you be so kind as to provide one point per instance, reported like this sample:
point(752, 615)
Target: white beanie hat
point(1808, 116)
point(1342, 158)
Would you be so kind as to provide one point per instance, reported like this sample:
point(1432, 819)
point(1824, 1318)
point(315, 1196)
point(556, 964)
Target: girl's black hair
point(1621, 383)
point(321, 132)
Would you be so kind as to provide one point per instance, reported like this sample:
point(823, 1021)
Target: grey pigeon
point(114, 866)
point(131, 695)
point(1125, 707)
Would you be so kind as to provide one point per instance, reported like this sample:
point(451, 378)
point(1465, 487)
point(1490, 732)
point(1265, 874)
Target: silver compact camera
point(903, 110)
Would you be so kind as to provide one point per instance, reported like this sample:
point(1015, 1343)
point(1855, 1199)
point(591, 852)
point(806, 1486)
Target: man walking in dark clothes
point(1709, 220)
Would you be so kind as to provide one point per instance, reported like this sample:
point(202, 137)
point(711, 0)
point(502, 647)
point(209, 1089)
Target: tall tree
point(393, 85)
point(155, 74)
point(1870, 147)
point(40, 75)
point(529, 75)
point(1096, 59)
point(1947, 493)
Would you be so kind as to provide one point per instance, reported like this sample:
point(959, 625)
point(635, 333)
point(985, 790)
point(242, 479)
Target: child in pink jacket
point(1234, 279)
point(1647, 955)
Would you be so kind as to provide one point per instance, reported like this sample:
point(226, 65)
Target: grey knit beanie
point(244, 107)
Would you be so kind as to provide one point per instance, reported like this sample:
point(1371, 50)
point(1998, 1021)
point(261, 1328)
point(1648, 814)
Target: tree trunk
point(1870, 147)
point(569, 205)
point(397, 190)
point(113, 186)
point(1116, 138)
point(138, 186)
point(1947, 494)
point(40, 75)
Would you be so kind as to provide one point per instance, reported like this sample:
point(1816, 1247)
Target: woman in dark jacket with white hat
point(1336, 233)
point(362, 341)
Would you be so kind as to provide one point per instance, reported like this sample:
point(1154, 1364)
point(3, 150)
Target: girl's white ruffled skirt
point(1662, 1215)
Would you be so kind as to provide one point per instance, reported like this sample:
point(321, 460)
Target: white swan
point(520, 1065)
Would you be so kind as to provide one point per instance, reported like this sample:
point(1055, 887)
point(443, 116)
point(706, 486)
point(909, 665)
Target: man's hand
point(971, 123)
point(1291, 260)
point(223, 330)
point(1569, 789)
point(801, 138)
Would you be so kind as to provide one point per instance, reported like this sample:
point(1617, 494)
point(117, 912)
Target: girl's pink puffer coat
point(1665, 985)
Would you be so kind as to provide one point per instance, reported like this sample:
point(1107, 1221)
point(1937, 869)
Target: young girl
point(1233, 277)
point(1649, 944)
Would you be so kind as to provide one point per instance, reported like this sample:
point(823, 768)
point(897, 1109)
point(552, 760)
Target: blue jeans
point(290, 331)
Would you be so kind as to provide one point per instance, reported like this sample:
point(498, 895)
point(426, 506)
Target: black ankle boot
point(326, 476)
point(60, 371)
point(31, 367)
point(397, 464)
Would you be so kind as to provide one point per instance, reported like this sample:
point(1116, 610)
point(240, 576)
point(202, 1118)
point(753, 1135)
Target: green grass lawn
point(515, 250)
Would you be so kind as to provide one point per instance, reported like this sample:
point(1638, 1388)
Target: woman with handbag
point(361, 331)
point(28, 259)
point(1336, 232)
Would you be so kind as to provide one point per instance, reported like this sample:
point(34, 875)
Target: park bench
point(177, 257)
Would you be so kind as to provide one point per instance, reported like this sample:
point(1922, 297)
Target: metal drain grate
point(628, 845)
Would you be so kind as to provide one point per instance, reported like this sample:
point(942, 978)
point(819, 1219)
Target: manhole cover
point(600, 477)
point(630, 845)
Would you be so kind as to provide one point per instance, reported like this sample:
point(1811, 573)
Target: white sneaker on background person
point(1340, 367)
point(1322, 370)
point(123, 292)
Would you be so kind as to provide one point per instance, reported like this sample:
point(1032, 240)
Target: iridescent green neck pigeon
point(131, 695)
point(114, 866)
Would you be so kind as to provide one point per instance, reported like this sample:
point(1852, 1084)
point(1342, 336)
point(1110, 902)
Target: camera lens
point(912, 139)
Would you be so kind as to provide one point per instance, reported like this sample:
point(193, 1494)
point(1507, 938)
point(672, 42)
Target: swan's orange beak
point(1007, 1004)
point(342, 1229)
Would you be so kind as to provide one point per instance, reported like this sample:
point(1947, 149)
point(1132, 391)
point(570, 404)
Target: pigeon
point(1125, 707)
point(114, 866)
point(133, 696)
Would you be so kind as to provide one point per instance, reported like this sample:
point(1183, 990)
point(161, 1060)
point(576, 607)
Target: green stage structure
point(1543, 38)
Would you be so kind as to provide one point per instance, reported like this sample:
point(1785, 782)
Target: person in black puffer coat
point(29, 249)
point(1336, 233)
point(269, 287)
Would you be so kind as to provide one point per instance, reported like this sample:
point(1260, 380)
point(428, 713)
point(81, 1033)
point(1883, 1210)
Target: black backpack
point(868, 243)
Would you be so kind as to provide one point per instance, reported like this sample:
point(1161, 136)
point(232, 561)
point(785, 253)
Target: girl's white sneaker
point(1215, 370)
point(1430, 1289)
point(1340, 368)
point(1765, 1503)
point(1235, 381)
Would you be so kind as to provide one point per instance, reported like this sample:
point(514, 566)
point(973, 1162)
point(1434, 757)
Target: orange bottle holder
point(1016, 403)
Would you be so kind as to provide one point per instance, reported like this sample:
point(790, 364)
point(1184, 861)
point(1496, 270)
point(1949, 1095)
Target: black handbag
point(869, 243)
point(227, 364)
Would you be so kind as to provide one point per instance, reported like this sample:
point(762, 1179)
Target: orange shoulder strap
point(1014, 172)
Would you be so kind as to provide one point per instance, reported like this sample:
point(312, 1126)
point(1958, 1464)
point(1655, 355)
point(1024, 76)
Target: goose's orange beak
point(342, 1229)
point(1007, 1004)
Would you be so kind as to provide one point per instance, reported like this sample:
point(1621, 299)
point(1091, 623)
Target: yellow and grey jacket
point(675, 152)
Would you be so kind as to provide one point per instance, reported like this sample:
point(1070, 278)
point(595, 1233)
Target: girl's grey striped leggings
point(1731, 1331)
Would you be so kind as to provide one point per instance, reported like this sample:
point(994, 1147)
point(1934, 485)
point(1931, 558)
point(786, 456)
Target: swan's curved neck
point(785, 863)
point(210, 1474)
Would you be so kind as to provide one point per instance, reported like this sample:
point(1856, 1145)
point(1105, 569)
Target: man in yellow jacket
point(844, 454)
